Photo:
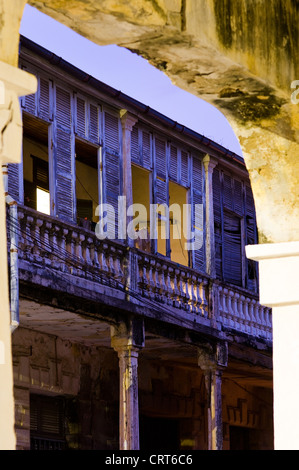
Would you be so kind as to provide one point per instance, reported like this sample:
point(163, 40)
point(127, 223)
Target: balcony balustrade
point(56, 245)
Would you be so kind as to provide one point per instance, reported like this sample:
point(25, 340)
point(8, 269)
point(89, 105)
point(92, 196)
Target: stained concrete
point(239, 56)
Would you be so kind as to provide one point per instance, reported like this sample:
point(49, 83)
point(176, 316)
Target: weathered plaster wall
point(238, 55)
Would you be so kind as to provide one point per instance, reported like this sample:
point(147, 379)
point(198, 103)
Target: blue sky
point(137, 79)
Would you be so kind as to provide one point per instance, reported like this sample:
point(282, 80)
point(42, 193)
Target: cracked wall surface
point(239, 56)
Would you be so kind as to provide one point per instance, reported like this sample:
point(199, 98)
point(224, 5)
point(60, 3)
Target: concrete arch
point(239, 56)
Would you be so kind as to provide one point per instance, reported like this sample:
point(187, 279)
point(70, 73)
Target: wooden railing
point(67, 248)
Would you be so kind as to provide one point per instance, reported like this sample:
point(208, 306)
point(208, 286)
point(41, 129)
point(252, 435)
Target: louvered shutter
point(135, 153)
point(112, 135)
point(217, 222)
point(232, 259)
point(173, 163)
point(238, 198)
point(161, 194)
point(112, 174)
point(64, 156)
point(81, 117)
point(251, 237)
point(161, 189)
point(198, 218)
point(94, 124)
point(29, 102)
point(44, 99)
point(228, 201)
point(146, 150)
point(14, 181)
point(184, 180)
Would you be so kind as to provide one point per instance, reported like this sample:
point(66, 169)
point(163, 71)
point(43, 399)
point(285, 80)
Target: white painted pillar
point(13, 83)
point(127, 121)
point(279, 289)
point(127, 340)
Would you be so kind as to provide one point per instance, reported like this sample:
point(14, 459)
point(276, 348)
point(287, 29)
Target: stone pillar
point(212, 362)
point(13, 84)
point(279, 289)
point(127, 121)
point(209, 165)
point(127, 340)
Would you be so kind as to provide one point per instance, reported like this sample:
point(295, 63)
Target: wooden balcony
point(53, 246)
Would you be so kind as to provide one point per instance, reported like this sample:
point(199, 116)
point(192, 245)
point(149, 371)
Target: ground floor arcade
point(80, 383)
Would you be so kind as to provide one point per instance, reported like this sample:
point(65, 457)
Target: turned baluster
point(55, 256)
point(62, 248)
point(21, 234)
point(151, 280)
point(246, 315)
point(198, 295)
point(101, 250)
point(45, 242)
point(169, 286)
point(219, 315)
point(28, 239)
point(193, 300)
point(119, 257)
point(182, 293)
point(204, 302)
point(241, 307)
point(145, 277)
point(36, 236)
point(187, 300)
point(71, 249)
point(175, 292)
point(163, 283)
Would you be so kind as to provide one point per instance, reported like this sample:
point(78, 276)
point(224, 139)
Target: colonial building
point(152, 337)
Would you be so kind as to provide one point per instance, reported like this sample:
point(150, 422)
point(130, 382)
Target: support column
point(127, 121)
point(279, 289)
point(13, 83)
point(209, 165)
point(127, 340)
point(212, 363)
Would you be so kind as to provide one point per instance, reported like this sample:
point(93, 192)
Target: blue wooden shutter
point(135, 151)
point(64, 155)
point(184, 179)
point(197, 225)
point(44, 99)
point(161, 193)
point(251, 239)
point(232, 255)
point(217, 206)
point(14, 183)
point(112, 173)
point(238, 198)
point(161, 188)
point(81, 117)
point(173, 163)
point(94, 124)
point(146, 150)
point(29, 102)
point(232, 229)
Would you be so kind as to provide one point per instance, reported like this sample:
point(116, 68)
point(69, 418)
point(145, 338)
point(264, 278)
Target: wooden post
point(212, 364)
